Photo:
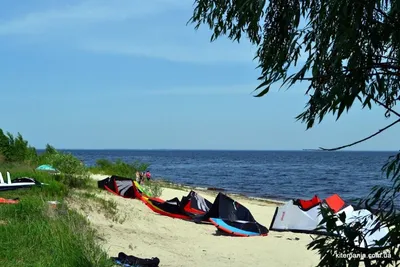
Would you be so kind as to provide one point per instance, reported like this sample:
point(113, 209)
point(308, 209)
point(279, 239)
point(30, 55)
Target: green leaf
point(263, 92)
point(352, 53)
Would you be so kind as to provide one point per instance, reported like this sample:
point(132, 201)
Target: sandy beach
point(177, 243)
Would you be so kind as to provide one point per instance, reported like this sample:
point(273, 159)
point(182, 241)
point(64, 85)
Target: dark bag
point(130, 260)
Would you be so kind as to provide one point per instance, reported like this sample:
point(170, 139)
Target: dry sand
point(178, 243)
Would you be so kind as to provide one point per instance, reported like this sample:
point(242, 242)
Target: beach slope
point(145, 234)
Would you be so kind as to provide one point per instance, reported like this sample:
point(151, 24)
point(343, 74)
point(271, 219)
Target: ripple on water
point(279, 174)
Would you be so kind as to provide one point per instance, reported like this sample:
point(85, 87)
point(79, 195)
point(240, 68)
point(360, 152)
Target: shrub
point(72, 172)
point(127, 170)
point(118, 167)
point(15, 149)
point(65, 163)
point(154, 188)
point(15, 167)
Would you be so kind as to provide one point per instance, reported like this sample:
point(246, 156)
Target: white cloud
point(176, 51)
point(137, 28)
point(86, 12)
point(155, 29)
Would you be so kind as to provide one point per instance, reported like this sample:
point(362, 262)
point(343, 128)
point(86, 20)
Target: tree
point(4, 145)
point(350, 52)
point(50, 150)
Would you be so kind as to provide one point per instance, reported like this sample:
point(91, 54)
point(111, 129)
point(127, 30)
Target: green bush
point(73, 172)
point(67, 180)
point(104, 164)
point(15, 167)
point(15, 149)
point(52, 237)
point(155, 189)
point(64, 162)
point(128, 170)
point(118, 167)
point(16, 153)
point(74, 181)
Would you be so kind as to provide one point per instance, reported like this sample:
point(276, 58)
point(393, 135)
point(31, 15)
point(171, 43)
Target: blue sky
point(130, 74)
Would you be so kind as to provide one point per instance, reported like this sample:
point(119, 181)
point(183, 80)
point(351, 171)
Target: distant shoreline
point(220, 150)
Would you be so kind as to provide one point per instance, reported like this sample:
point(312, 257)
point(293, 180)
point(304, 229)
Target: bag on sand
point(132, 261)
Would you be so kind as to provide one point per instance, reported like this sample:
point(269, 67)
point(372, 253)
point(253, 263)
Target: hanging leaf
point(351, 50)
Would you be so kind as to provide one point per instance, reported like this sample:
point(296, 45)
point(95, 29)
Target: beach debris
point(9, 201)
point(133, 261)
point(53, 203)
point(215, 189)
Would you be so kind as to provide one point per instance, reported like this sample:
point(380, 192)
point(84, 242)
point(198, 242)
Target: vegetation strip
point(42, 229)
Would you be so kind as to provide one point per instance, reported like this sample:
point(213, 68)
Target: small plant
point(154, 188)
point(108, 207)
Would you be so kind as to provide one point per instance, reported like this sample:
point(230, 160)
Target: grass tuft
point(33, 233)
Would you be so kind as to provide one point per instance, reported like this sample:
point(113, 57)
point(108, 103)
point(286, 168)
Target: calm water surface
point(269, 174)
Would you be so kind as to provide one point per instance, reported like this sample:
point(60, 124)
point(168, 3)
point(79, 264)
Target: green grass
point(14, 167)
point(32, 233)
point(127, 170)
point(153, 187)
point(106, 206)
point(119, 167)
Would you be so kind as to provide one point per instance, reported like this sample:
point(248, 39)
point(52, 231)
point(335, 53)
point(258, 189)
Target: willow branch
point(328, 76)
point(384, 105)
point(362, 140)
point(380, 57)
point(384, 14)
point(386, 65)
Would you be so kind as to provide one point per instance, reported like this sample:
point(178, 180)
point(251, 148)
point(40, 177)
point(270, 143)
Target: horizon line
point(206, 149)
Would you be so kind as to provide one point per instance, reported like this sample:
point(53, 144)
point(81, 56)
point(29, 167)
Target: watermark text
point(362, 256)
